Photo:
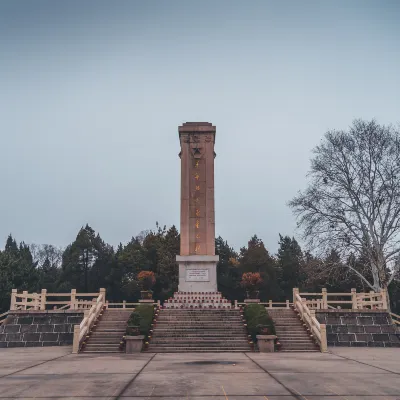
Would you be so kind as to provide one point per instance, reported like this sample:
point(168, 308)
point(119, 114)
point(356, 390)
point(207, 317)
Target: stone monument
point(197, 260)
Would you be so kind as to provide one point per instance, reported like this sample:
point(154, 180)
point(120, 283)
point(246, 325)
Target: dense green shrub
point(142, 317)
point(257, 318)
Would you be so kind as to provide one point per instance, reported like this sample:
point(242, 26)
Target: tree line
point(89, 263)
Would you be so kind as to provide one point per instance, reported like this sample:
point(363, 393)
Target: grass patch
point(257, 317)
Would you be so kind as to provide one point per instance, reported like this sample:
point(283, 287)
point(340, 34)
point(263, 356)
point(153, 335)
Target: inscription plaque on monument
point(197, 275)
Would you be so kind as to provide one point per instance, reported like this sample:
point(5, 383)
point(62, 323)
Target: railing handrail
point(395, 318)
point(81, 330)
point(267, 304)
point(362, 300)
point(39, 301)
point(308, 316)
point(3, 315)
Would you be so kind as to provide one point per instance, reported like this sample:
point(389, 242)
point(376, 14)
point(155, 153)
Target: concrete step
point(194, 325)
point(198, 318)
point(105, 336)
point(201, 344)
point(104, 347)
point(211, 343)
point(299, 351)
point(102, 351)
point(296, 329)
point(214, 327)
point(200, 334)
point(290, 328)
point(294, 336)
point(112, 321)
point(170, 349)
point(297, 341)
point(104, 340)
point(226, 311)
point(299, 348)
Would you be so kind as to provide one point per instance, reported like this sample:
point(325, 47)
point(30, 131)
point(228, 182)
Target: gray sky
point(92, 93)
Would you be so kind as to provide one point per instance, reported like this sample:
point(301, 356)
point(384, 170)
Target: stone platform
point(34, 328)
point(55, 373)
point(359, 328)
point(188, 300)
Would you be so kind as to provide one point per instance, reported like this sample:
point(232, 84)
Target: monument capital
point(197, 127)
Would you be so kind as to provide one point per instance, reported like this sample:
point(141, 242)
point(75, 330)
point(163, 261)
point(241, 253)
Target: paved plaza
point(55, 373)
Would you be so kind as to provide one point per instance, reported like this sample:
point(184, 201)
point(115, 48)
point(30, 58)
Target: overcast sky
point(92, 93)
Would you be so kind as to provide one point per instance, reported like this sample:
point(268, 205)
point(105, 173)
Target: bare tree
point(352, 202)
point(43, 252)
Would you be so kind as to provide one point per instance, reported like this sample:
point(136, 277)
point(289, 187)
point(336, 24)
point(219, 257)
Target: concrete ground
point(55, 373)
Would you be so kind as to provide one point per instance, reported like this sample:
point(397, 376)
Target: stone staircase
point(205, 330)
point(291, 332)
point(197, 300)
point(107, 332)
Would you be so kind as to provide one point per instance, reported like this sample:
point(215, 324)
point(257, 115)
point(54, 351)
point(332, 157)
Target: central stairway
point(291, 332)
point(204, 330)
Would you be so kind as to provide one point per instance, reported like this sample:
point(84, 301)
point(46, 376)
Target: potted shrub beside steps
point(133, 338)
point(146, 281)
point(251, 282)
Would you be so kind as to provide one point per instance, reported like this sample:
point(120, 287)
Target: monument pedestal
point(197, 273)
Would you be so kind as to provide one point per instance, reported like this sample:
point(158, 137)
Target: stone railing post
point(236, 305)
point(13, 299)
point(270, 304)
point(324, 343)
point(25, 299)
point(103, 292)
point(287, 304)
point(124, 304)
point(354, 305)
point(36, 301)
point(73, 305)
point(295, 291)
point(43, 295)
point(324, 298)
point(384, 299)
point(371, 299)
point(75, 343)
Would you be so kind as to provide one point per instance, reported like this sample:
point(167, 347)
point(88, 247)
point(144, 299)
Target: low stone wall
point(355, 328)
point(39, 328)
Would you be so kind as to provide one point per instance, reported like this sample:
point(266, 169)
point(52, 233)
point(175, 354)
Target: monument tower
point(197, 260)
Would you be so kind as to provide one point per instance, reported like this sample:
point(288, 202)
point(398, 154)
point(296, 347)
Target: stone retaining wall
point(39, 328)
point(359, 328)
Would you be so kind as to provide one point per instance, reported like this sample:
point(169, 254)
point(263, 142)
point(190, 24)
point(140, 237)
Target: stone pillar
point(134, 344)
point(266, 343)
point(75, 343)
point(73, 299)
point(197, 260)
point(13, 299)
point(324, 298)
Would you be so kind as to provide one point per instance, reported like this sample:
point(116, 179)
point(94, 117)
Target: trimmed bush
point(257, 318)
point(142, 317)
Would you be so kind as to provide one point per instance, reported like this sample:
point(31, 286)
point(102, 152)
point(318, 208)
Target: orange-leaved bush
point(251, 280)
point(146, 279)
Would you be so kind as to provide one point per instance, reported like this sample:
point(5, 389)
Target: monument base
point(197, 273)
